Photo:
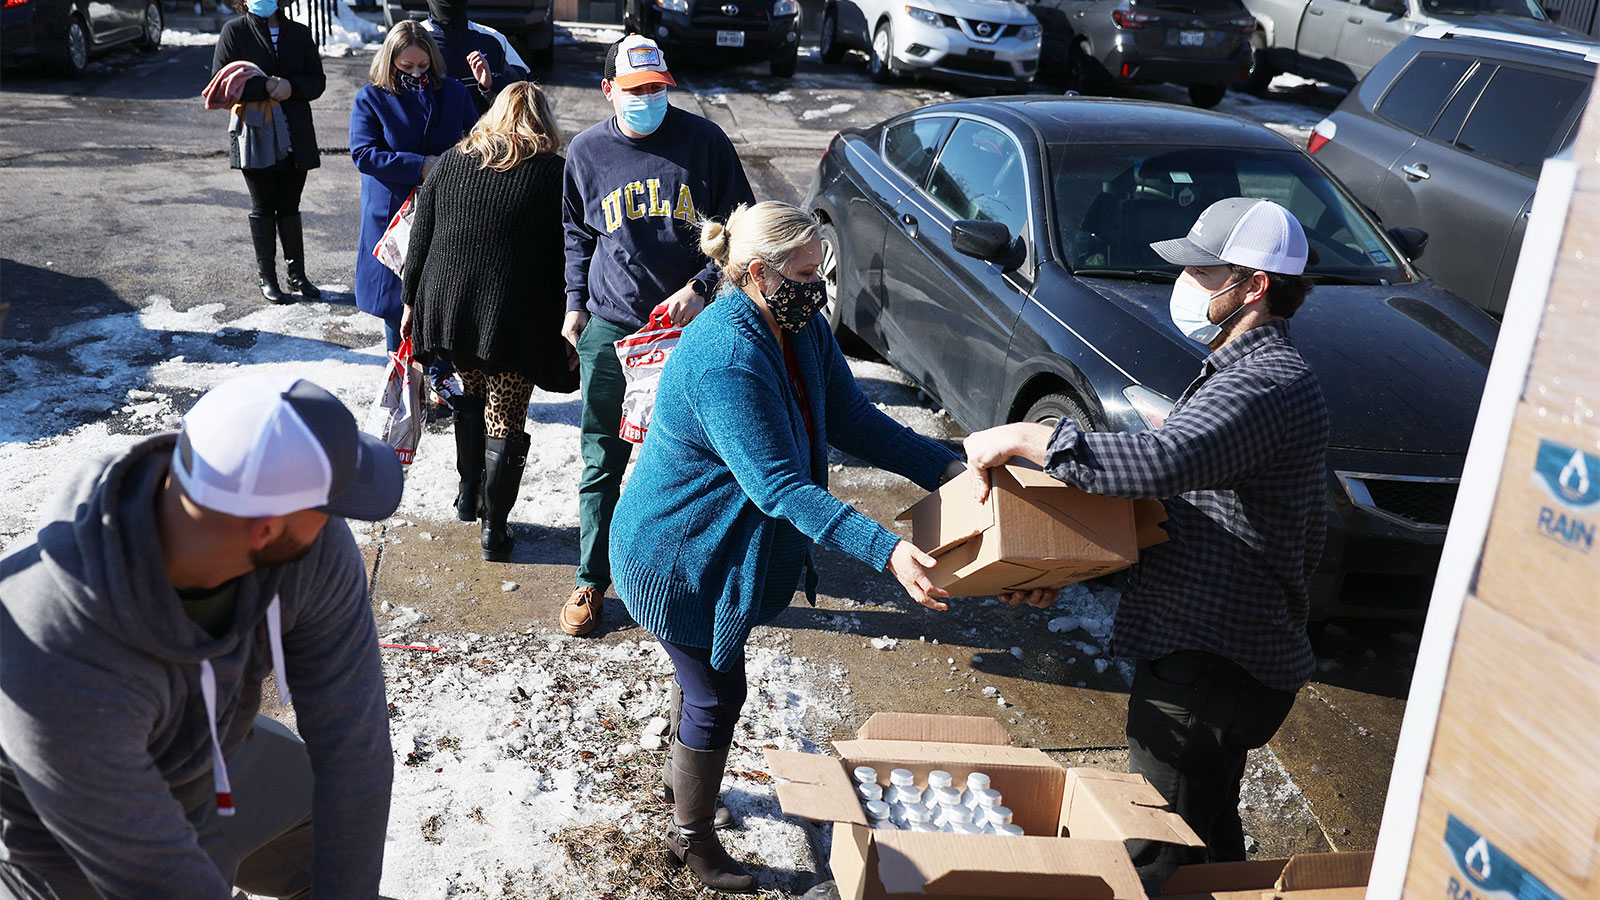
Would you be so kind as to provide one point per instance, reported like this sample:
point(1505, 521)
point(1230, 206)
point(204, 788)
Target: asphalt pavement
point(117, 192)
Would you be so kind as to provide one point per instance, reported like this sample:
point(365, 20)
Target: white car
point(991, 42)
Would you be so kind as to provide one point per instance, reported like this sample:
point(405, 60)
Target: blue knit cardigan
point(716, 523)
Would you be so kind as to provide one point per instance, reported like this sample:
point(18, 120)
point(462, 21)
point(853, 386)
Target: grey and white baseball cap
point(271, 445)
point(1243, 231)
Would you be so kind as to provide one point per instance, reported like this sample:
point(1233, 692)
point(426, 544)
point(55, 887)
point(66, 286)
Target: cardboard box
point(1309, 876)
point(1032, 532)
point(1074, 820)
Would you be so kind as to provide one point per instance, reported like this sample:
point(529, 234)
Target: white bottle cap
point(986, 798)
point(967, 828)
point(923, 827)
point(999, 815)
point(906, 795)
point(902, 778)
point(869, 791)
point(1008, 830)
point(914, 813)
point(958, 815)
point(977, 781)
point(939, 778)
point(947, 796)
point(866, 775)
point(877, 809)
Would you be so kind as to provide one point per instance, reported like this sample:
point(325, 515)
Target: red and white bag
point(397, 412)
point(643, 354)
point(391, 247)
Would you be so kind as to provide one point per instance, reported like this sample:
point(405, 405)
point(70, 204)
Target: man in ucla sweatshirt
point(136, 628)
point(637, 185)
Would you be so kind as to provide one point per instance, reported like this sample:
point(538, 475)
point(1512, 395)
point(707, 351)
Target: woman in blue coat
point(714, 531)
point(400, 124)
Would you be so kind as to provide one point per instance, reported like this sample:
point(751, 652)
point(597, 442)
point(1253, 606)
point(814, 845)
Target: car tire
point(1205, 96)
point(832, 256)
point(71, 57)
point(880, 62)
point(1081, 74)
point(831, 50)
point(152, 24)
point(1052, 408)
point(1261, 72)
point(782, 65)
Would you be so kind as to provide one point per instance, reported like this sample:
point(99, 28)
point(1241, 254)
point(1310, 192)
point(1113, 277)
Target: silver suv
point(1447, 134)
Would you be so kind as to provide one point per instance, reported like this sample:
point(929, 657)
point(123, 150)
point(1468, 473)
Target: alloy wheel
point(77, 45)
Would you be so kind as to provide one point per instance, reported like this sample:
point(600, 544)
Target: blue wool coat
point(390, 135)
point(716, 524)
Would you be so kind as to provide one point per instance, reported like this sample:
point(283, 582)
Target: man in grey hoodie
point(136, 628)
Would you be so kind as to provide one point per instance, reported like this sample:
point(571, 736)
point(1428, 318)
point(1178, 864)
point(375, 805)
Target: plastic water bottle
point(939, 778)
point(977, 781)
point(982, 802)
point(945, 800)
point(866, 775)
point(869, 792)
point(966, 828)
point(902, 778)
point(915, 817)
point(994, 817)
point(952, 816)
point(878, 816)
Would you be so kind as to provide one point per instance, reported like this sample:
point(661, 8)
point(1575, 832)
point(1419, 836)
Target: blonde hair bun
point(714, 241)
point(769, 231)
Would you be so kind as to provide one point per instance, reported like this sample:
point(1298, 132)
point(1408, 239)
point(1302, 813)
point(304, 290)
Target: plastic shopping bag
point(397, 412)
point(643, 354)
point(391, 247)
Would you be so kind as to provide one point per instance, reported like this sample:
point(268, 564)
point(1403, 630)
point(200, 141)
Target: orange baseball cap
point(636, 60)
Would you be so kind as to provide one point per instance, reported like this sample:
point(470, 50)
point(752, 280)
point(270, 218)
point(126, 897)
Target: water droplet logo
point(1476, 860)
point(1574, 478)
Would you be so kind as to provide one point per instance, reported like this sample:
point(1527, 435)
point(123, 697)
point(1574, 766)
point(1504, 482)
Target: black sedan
point(65, 33)
point(997, 252)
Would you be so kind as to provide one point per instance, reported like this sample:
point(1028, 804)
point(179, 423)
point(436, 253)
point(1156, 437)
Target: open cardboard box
point(1309, 876)
point(1073, 820)
point(1031, 532)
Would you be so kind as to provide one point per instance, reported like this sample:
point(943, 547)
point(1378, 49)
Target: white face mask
point(1190, 309)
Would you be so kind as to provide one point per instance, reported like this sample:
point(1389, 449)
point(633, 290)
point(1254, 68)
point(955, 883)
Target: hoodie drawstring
point(208, 691)
point(219, 766)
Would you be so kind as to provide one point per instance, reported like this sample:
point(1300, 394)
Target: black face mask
point(449, 13)
point(795, 303)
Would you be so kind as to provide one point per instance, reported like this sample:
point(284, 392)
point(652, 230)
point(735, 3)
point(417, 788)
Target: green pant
point(605, 454)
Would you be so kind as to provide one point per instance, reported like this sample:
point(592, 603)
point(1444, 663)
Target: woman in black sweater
point(284, 50)
point(483, 287)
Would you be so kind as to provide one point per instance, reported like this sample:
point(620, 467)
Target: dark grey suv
point(1447, 134)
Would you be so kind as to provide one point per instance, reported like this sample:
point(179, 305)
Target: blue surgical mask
point(262, 8)
point(643, 115)
point(1190, 308)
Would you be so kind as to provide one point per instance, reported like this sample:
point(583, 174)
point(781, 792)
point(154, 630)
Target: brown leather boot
point(722, 818)
point(582, 610)
point(696, 776)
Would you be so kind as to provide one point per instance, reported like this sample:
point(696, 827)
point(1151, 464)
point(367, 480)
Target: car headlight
point(1031, 32)
point(677, 6)
point(926, 17)
point(1152, 407)
point(786, 8)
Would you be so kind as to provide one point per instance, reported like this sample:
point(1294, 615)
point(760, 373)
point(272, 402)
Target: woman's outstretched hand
point(910, 565)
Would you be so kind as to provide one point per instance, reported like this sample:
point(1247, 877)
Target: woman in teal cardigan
point(715, 527)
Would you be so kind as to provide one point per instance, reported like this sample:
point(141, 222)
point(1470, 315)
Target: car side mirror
point(988, 241)
point(1411, 241)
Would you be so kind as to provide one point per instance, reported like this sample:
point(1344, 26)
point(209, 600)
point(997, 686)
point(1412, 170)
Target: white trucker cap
point(635, 61)
point(1257, 234)
point(271, 445)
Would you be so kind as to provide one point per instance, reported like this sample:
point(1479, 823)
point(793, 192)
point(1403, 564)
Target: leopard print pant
point(505, 399)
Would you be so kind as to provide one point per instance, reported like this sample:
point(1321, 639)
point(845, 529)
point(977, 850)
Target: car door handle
point(1417, 172)
point(1354, 20)
point(1314, 11)
point(909, 222)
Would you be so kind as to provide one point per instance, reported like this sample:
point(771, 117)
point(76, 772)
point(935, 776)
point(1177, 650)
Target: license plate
point(1191, 38)
point(980, 54)
point(730, 39)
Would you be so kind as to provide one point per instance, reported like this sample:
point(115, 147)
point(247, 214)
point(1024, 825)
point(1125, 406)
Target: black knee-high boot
point(503, 461)
point(263, 234)
point(469, 456)
point(696, 776)
point(294, 257)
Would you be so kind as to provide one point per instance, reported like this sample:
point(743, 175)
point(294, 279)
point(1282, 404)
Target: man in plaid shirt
point(1215, 617)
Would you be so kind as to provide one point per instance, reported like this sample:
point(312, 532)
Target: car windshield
point(1113, 201)
point(1526, 9)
